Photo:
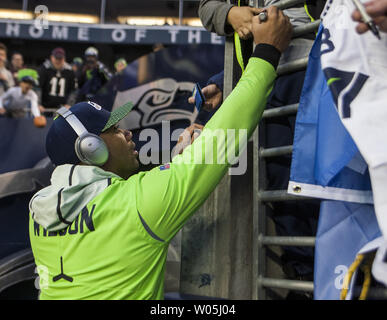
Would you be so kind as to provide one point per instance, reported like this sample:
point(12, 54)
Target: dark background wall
point(114, 8)
point(36, 51)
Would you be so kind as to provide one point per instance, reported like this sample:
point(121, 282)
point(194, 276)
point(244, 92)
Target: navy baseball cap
point(61, 137)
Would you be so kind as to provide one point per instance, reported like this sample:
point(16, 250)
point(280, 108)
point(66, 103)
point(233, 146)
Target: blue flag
point(326, 162)
point(343, 229)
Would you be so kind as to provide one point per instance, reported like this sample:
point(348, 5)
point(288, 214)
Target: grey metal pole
point(284, 4)
point(280, 111)
point(278, 195)
point(287, 241)
point(25, 5)
point(275, 152)
point(293, 66)
point(103, 9)
point(287, 284)
point(306, 28)
point(257, 220)
point(180, 12)
point(259, 209)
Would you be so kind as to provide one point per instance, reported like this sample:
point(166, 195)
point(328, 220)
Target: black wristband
point(267, 52)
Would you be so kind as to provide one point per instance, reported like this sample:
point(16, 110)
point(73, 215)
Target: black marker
point(366, 18)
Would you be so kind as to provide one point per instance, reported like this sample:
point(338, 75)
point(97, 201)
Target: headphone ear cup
point(91, 149)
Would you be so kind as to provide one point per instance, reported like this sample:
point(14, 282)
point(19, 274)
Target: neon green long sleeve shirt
point(116, 248)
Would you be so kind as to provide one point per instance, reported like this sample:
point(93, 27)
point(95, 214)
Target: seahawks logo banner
point(160, 103)
point(153, 103)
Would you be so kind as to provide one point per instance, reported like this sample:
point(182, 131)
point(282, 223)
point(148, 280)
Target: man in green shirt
point(101, 230)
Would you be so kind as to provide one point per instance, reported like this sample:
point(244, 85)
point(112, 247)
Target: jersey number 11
point(54, 82)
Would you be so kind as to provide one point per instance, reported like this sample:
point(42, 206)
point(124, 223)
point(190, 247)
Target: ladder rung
point(305, 28)
point(284, 4)
point(280, 111)
point(286, 284)
point(287, 241)
point(275, 152)
point(278, 195)
point(295, 65)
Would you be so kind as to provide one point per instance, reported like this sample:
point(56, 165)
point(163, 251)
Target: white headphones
point(89, 148)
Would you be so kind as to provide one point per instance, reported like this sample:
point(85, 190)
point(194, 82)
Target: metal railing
point(281, 111)
point(286, 284)
point(275, 152)
point(262, 197)
point(306, 28)
point(286, 241)
point(293, 66)
point(276, 196)
point(285, 4)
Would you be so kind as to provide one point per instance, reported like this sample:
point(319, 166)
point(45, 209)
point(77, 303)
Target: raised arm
point(213, 14)
point(223, 18)
point(168, 195)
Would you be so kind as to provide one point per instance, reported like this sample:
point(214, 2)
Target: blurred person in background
point(21, 101)
point(56, 81)
point(120, 65)
point(94, 75)
point(76, 65)
point(17, 63)
point(6, 79)
point(225, 18)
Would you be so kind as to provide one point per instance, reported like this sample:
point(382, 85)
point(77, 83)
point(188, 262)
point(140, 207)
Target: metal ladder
point(261, 196)
point(260, 154)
